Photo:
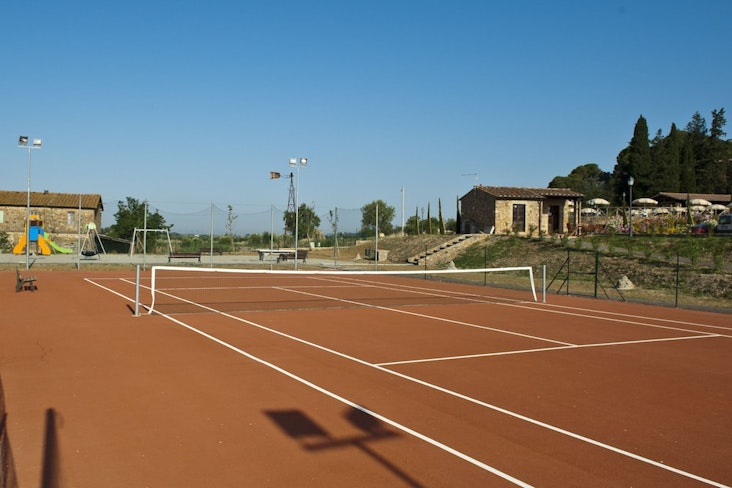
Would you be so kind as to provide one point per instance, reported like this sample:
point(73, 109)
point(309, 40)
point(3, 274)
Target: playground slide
point(18, 249)
point(57, 248)
point(43, 239)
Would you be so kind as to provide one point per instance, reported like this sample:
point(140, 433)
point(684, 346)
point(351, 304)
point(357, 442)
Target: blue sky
point(188, 104)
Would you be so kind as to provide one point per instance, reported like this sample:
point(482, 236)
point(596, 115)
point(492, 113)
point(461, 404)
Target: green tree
point(666, 158)
point(719, 153)
point(429, 219)
point(635, 161)
point(131, 215)
point(5, 244)
point(412, 225)
point(440, 219)
point(368, 218)
point(451, 225)
point(458, 217)
point(587, 179)
point(308, 222)
point(687, 178)
point(697, 133)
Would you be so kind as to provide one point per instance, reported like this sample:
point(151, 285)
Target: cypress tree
point(639, 158)
point(635, 161)
point(666, 153)
point(458, 219)
point(687, 181)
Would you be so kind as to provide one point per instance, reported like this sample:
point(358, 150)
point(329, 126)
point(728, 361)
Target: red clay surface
point(574, 392)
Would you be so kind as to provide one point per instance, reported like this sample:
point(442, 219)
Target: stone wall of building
point(62, 229)
point(482, 212)
point(477, 212)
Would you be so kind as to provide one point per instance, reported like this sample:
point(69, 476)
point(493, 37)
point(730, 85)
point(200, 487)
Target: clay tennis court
point(355, 382)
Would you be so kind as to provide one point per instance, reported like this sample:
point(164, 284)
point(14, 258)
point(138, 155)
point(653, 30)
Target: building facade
point(522, 211)
point(64, 215)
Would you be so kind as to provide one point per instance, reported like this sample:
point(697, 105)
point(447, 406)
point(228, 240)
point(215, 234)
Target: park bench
point(266, 252)
point(215, 250)
point(286, 256)
point(24, 282)
point(185, 255)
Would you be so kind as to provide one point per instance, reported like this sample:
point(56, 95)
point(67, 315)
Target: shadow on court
point(51, 467)
point(313, 437)
point(7, 465)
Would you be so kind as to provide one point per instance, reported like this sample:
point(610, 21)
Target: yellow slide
point(18, 249)
point(43, 245)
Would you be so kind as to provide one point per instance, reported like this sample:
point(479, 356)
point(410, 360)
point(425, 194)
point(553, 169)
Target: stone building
point(63, 214)
point(524, 211)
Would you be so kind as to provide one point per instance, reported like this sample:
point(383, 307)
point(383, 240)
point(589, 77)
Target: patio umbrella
point(644, 201)
point(718, 207)
point(589, 211)
point(700, 201)
point(661, 210)
point(698, 208)
point(598, 201)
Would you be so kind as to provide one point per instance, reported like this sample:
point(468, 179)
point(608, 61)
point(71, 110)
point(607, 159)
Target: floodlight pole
point(297, 163)
point(630, 186)
point(23, 144)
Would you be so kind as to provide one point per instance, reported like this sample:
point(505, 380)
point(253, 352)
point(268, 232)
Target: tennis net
point(198, 290)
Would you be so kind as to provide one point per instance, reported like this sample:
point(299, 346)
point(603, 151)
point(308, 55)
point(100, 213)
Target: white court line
point(544, 349)
point(633, 316)
point(542, 307)
point(425, 316)
point(455, 394)
point(351, 404)
point(93, 282)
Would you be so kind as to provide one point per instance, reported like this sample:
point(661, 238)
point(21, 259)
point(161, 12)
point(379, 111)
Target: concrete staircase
point(441, 252)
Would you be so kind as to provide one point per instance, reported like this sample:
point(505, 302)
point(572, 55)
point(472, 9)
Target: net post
point(543, 283)
point(152, 289)
point(137, 290)
point(533, 287)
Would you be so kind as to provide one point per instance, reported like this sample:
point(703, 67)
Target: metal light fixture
point(23, 144)
point(297, 163)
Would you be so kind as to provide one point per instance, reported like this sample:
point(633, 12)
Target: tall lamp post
point(630, 187)
point(23, 144)
point(295, 162)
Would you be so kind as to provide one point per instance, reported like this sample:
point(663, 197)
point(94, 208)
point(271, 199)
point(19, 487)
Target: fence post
point(137, 291)
point(597, 270)
point(676, 302)
point(569, 254)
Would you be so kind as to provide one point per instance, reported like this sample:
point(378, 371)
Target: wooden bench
point(24, 282)
point(185, 255)
point(266, 252)
point(285, 256)
point(215, 250)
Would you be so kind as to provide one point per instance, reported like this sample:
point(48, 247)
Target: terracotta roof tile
point(50, 200)
point(509, 192)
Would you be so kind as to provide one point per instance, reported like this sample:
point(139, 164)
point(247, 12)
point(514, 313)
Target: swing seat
point(88, 254)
